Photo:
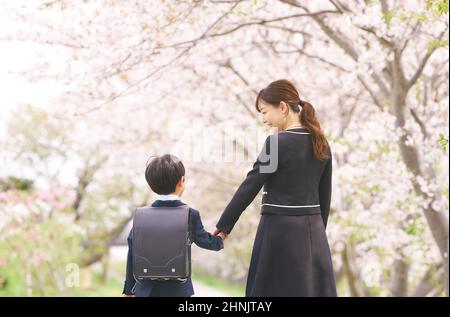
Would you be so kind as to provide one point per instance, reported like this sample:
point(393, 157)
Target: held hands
point(221, 234)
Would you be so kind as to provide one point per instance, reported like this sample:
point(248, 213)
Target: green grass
point(113, 285)
point(111, 288)
point(226, 287)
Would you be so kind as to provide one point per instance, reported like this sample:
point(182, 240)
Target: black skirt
point(291, 257)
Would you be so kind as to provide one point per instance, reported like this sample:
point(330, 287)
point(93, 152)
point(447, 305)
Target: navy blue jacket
point(200, 237)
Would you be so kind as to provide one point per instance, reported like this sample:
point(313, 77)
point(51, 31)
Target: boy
point(165, 176)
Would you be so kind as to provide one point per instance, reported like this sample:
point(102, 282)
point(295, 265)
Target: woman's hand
point(221, 234)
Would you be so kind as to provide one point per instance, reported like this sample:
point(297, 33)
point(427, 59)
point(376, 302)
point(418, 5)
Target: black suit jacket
point(299, 185)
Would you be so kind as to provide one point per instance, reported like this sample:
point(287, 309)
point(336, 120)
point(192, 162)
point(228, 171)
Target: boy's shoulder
point(194, 212)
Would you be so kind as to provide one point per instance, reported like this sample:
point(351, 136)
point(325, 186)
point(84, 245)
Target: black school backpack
point(161, 244)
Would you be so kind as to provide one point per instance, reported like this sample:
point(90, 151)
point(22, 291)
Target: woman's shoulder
point(275, 140)
point(293, 136)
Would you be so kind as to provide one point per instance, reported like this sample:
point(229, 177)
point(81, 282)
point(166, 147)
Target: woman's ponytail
point(309, 120)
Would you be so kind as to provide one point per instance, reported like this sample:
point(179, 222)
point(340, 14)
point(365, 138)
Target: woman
point(291, 255)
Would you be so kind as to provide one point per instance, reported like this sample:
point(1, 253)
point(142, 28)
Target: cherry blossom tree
point(142, 78)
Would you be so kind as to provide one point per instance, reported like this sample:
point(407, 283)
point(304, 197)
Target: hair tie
point(301, 103)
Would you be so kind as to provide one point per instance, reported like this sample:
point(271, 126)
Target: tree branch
point(428, 282)
point(341, 40)
point(383, 41)
point(339, 6)
point(374, 97)
point(84, 180)
point(420, 123)
point(263, 22)
point(423, 63)
point(320, 59)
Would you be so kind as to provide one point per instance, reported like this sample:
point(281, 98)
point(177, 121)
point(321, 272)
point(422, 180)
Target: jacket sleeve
point(325, 190)
point(201, 237)
point(129, 278)
point(252, 184)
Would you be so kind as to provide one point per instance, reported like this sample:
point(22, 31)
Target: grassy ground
point(93, 285)
point(214, 282)
point(114, 283)
point(111, 288)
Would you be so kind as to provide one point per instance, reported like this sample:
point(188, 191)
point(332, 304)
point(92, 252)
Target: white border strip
point(296, 132)
point(286, 206)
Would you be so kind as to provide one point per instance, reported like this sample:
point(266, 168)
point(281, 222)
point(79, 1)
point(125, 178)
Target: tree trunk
point(437, 220)
point(350, 273)
point(105, 269)
point(400, 278)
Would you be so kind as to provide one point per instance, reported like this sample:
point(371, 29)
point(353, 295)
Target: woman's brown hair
point(284, 90)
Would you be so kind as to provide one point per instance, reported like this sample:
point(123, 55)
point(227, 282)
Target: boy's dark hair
point(163, 173)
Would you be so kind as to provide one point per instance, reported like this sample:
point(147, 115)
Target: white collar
point(167, 197)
